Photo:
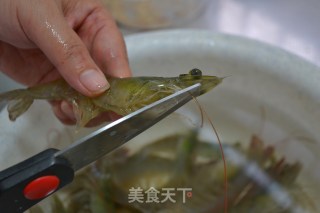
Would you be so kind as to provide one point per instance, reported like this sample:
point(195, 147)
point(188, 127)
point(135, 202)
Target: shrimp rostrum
point(124, 96)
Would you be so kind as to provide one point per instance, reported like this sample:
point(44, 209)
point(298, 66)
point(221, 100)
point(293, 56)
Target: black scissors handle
point(32, 180)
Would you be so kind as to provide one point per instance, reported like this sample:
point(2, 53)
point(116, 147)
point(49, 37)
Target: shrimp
point(190, 164)
point(124, 96)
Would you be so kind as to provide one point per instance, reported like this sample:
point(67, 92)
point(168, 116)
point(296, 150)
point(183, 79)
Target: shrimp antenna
point(227, 76)
point(200, 109)
point(203, 112)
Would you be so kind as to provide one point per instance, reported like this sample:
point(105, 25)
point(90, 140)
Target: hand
point(41, 41)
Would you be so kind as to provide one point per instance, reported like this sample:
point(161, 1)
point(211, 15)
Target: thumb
point(51, 33)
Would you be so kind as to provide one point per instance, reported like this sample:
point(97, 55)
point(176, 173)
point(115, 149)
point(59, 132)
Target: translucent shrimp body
point(124, 96)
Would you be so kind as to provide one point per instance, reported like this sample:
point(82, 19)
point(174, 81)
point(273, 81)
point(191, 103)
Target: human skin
point(78, 40)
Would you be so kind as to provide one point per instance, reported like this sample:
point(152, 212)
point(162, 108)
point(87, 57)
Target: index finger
point(46, 26)
point(99, 32)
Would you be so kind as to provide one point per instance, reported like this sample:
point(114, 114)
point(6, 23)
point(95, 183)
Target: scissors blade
point(115, 134)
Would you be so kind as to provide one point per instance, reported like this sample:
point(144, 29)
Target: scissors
point(27, 183)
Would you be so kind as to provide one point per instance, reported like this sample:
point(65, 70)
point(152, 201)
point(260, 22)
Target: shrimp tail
point(18, 102)
point(18, 107)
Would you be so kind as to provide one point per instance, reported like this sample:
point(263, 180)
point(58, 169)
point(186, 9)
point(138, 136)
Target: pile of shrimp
point(186, 164)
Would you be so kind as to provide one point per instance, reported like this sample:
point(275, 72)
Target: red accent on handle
point(41, 187)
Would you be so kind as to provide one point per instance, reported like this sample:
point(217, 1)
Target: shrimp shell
point(124, 96)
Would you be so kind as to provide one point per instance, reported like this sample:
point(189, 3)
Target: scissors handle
point(32, 180)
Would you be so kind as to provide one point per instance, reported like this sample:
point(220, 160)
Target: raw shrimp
point(193, 164)
point(124, 96)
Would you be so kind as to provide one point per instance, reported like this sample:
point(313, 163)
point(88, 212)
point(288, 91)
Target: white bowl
point(262, 78)
point(270, 92)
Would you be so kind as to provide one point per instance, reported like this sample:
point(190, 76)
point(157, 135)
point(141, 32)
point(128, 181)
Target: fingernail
point(94, 81)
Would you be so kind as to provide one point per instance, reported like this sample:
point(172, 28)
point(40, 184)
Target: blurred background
point(290, 24)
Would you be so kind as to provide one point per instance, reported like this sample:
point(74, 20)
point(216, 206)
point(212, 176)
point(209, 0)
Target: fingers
point(102, 118)
point(102, 37)
point(48, 29)
point(46, 26)
point(64, 112)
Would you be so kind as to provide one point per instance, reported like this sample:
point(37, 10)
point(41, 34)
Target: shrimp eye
point(195, 72)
